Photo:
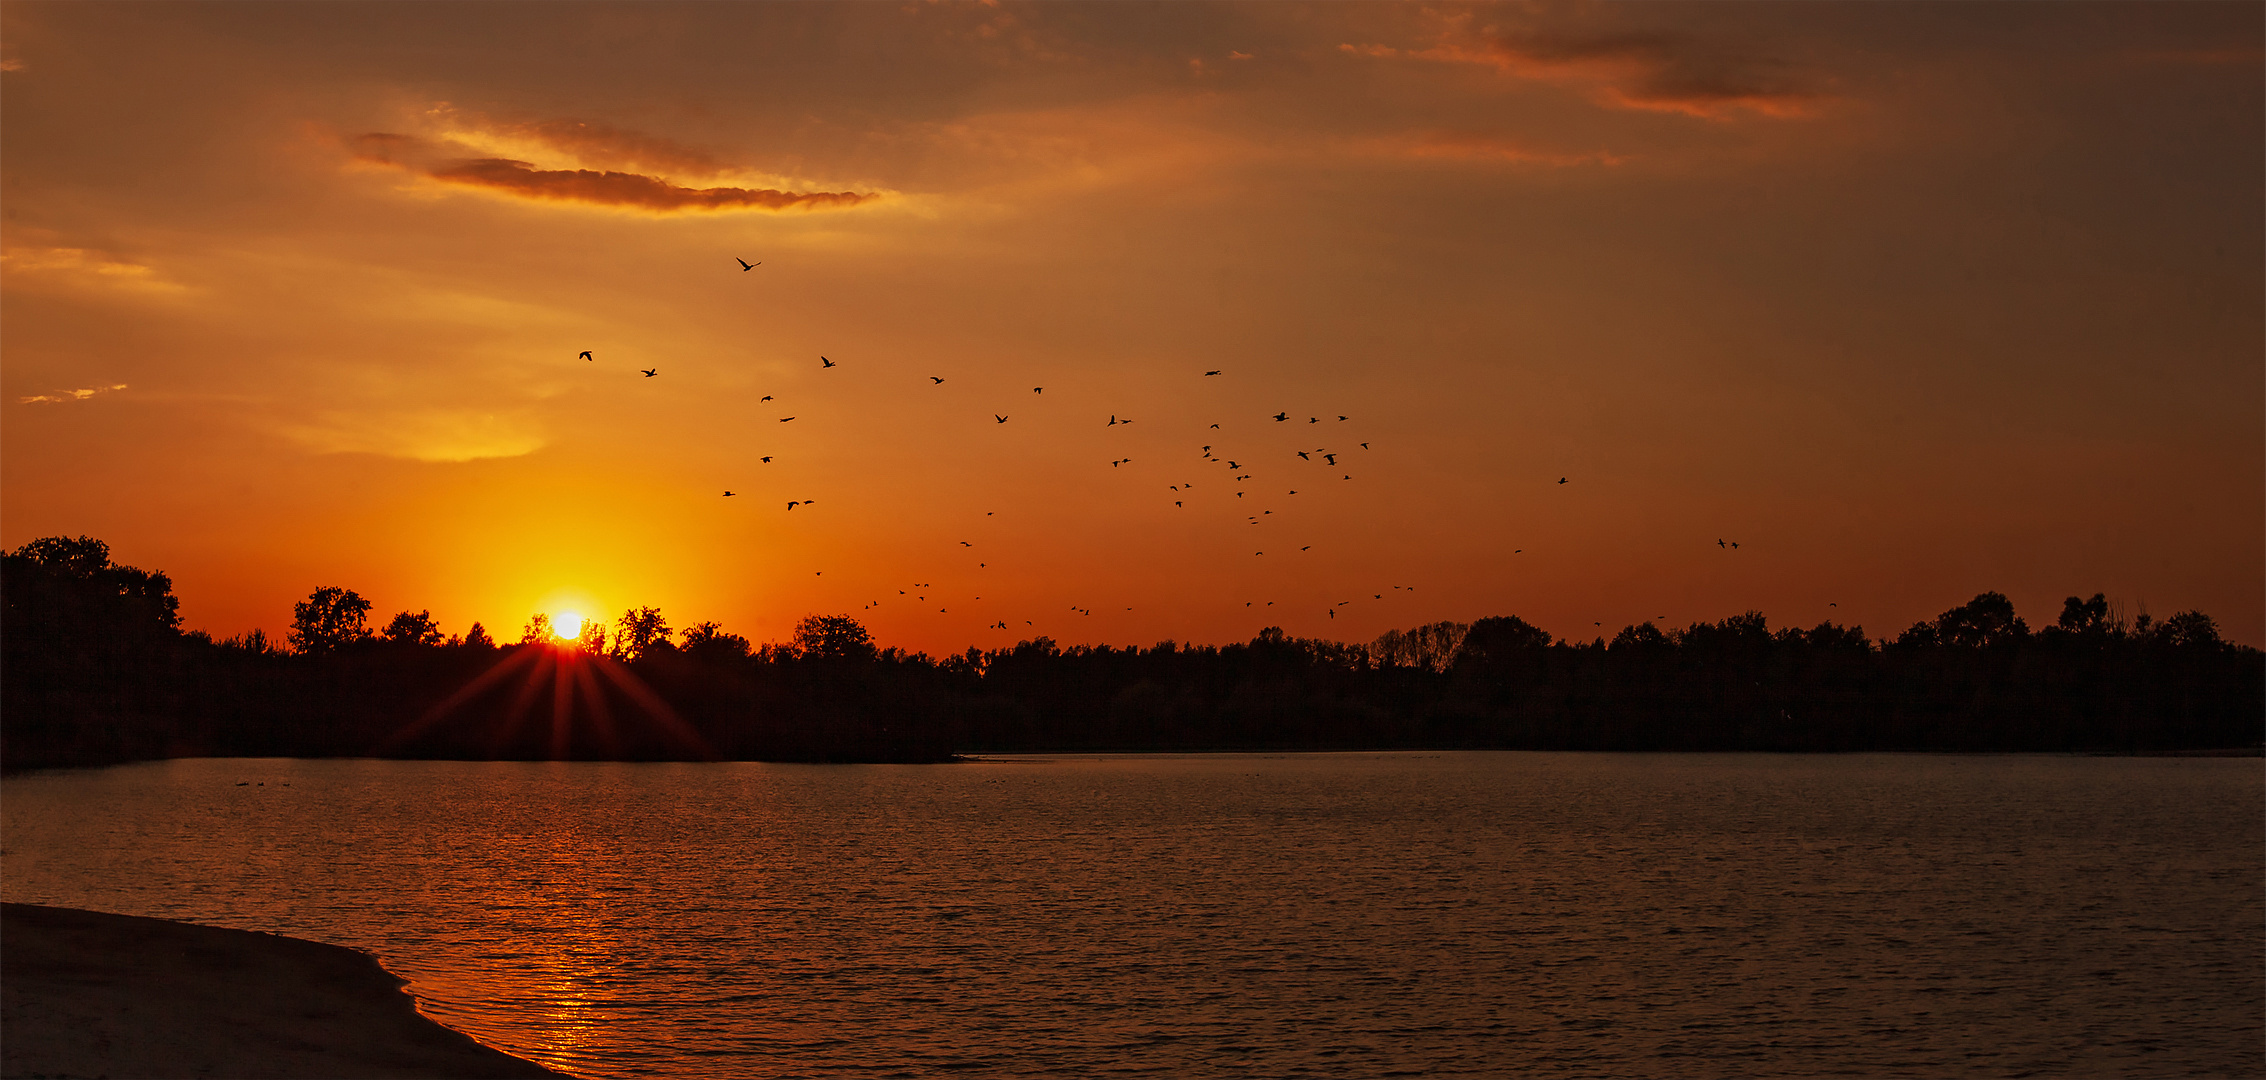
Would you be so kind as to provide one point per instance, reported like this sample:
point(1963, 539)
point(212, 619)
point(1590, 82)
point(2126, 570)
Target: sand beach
point(88, 994)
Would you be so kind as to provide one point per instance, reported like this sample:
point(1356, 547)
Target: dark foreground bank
point(87, 994)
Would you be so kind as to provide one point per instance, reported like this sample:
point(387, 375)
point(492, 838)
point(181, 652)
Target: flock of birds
point(1213, 454)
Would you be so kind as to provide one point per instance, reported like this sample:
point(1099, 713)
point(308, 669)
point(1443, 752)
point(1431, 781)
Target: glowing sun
point(567, 624)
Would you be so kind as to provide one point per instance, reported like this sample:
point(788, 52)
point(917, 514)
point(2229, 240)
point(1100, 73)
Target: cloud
point(430, 436)
point(632, 189)
point(1652, 72)
point(71, 395)
point(445, 161)
point(1464, 147)
point(83, 267)
point(586, 143)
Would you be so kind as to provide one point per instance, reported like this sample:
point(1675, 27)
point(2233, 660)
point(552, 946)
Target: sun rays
point(584, 689)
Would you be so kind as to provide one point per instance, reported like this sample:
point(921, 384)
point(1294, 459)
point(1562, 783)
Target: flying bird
point(727, 494)
point(586, 355)
point(767, 461)
point(825, 363)
point(1313, 419)
point(1302, 456)
point(1344, 418)
point(1331, 458)
point(784, 419)
point(1365, 446)
point(964, 543)
point(999, 418)
point(1305, 548)
point(793, 504)
point(936, 380)
point(649, 372)
point(1038, 389)
point(1561, 479)
point(745, 265)
point(1280, 417)
point(1211, 373)
point(766, 397)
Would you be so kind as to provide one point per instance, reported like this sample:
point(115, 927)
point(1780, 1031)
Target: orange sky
point(1912, 301)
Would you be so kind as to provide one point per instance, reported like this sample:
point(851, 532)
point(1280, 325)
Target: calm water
point(1342, 915)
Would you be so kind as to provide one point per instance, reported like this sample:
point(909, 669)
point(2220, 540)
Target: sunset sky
point(1910, 301)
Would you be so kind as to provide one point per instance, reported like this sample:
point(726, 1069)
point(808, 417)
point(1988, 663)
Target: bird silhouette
point(1302, 456)
point(1280, 417)
point(784, 419)
point(1720, 543)
point(999, 418)
point(767, 461)
point(1038, 389)
point(1313, 419)
point(649, 372)
point(1365, 446)
point(586, 355)
point(936, 380)
point(825, 363)
point(1561, 479)
point(1211, 373)
point(745, 265)
point(1344, 418)
point(1734, 544)
point(791, 505)
point(727, 494)
point(1112, 420)
point(766, 397)
point(1215, 426)
point(964, 543)
point(1331, 458)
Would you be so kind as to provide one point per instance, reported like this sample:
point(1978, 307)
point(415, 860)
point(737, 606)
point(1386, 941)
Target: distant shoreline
point(87, 993)
point(978, 756)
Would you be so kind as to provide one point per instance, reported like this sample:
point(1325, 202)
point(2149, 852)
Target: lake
point(1475, 914)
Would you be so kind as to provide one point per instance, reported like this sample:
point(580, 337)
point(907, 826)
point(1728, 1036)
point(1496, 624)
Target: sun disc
point(567, 624)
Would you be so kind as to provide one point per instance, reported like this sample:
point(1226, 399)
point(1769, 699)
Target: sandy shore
point(84, 994)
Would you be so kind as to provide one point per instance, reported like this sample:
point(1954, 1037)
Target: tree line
point(95, 668)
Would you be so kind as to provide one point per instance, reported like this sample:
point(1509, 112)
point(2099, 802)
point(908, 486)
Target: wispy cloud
point(1455, 146)
point(84, 267)
point(71, 395)
point(635, 171)
point(1654, 72)
point(421, 435)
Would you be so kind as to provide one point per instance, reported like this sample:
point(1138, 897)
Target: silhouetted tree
point(2189, 629)
point(1988, 619)
point(329, 618)
point(707, 641)
point(413, 628)
point(537, 631)
point(254, 641)
point(477, 638)
point(2085, 617)
point(833, 637)
point(640, 630)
